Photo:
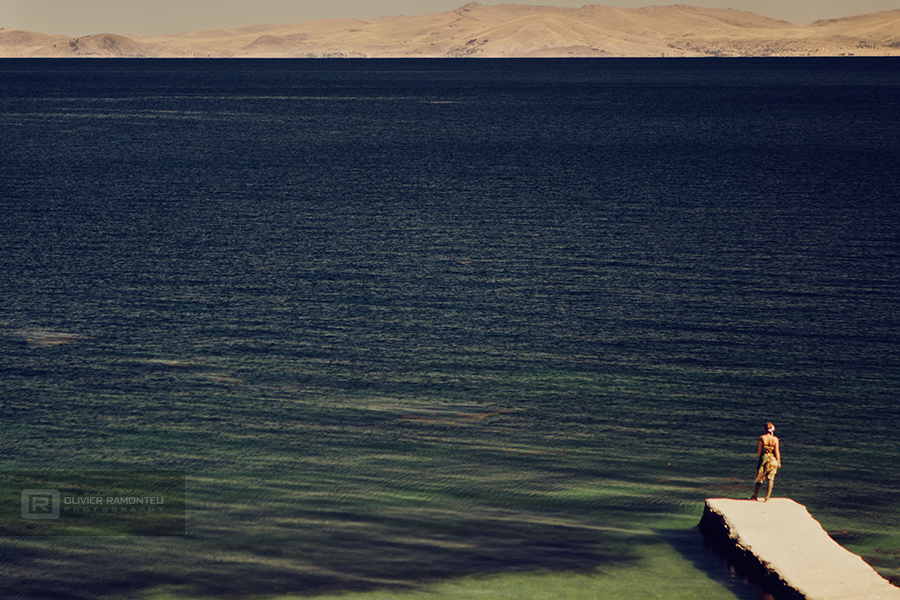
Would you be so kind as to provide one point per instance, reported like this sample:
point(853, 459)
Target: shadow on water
point(337, 551)
point(689, 543)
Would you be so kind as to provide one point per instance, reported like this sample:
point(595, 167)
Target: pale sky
point(83, 17)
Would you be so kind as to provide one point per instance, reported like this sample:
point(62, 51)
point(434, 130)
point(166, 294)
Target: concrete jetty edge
point(779, 546)
point(719, 536)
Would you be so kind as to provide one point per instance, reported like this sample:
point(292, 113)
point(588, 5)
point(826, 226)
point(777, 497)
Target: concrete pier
point(781, 547)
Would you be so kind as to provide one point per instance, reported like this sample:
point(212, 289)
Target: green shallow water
point(295, 491)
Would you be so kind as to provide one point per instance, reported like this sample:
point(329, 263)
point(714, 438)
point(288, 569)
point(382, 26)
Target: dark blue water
point(449, 301)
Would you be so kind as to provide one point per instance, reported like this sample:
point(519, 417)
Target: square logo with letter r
point(40, 504)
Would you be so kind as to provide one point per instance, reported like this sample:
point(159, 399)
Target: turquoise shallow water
point(437, 326)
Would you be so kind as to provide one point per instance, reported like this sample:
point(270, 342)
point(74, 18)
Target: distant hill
point(503, 30)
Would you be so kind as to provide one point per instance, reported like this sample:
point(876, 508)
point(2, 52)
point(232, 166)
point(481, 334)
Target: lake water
point(448, 328)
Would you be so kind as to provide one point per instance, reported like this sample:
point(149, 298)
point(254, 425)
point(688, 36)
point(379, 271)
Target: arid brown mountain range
point(504, 30)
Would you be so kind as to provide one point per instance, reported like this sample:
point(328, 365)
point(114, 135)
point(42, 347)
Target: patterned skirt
point(768, 466)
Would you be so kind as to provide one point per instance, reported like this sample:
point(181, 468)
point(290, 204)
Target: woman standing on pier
point(769, 454)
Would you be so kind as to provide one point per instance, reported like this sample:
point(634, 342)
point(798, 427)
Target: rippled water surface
point(450, 328)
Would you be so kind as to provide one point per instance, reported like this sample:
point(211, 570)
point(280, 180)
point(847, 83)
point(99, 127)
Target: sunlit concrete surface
point(783, 548)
